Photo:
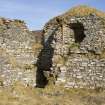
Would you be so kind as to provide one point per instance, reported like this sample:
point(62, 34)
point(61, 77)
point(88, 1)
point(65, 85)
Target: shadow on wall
point(44, 62)
point(78, 29)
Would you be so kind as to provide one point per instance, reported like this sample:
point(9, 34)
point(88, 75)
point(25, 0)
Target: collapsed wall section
point(18, 53)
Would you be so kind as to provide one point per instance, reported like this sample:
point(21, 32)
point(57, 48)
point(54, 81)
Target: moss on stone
point(74, 45)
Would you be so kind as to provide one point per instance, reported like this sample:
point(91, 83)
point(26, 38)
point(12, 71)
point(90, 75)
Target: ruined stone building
point(73, 52)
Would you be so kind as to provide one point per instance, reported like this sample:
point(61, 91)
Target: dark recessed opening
point(44, 62)
point(78, 29)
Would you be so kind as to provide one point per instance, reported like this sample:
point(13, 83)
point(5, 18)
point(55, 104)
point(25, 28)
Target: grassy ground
point(51, 95)
point(83, 10)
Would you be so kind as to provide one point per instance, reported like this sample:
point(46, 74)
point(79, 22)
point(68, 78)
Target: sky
point(37, 12)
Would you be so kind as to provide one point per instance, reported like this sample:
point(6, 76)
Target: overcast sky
point(37, 12)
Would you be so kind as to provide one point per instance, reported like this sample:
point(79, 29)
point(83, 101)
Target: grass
point(83, 10)
point(74, 45)
point(12, 61)
point(59, 60)
point(18, 94)
point(36, 46)
point(28, 66)
point(102, 55)
point(79, 11)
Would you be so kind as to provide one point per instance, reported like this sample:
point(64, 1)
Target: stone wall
point(72, 54)
point(78, 44)
point(18, 53)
